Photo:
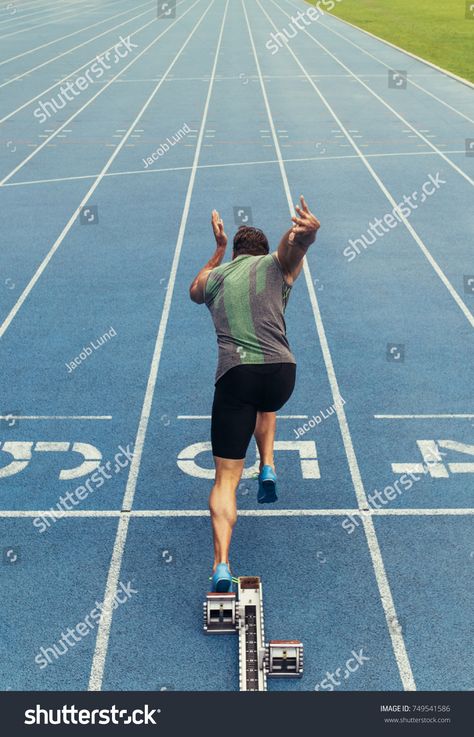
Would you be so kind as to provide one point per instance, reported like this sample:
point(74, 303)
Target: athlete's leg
point(223, 505)
point(265, 437)
point(232, 427)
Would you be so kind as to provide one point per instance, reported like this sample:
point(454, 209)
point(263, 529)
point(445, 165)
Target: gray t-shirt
point(247, 298)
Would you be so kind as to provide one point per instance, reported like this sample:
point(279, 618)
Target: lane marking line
point(336, 512)
point(61, 17)
point(425, 417)
point(55, 417)
point(133, 172)
point(208, 417)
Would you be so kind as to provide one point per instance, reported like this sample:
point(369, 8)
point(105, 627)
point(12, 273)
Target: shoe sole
point(223, 586)
point(270, 495)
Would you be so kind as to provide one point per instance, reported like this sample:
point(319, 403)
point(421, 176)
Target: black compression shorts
point(239, 395)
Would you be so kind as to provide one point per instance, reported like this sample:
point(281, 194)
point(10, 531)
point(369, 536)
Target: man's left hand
point(218, 228)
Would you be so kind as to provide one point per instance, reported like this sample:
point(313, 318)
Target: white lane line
point(15, 19)
point(55, 417)
point(437, 512)
point(78, 46)
point(425, 417)
point(409, 79)
point(59, 81)
point(454, 294)
point(81, 513)
point(398, 642)
point(451, 163)
point(133, 172)
point(103, 632)
point(27, 5)
point(289, 77)
point(47, 8)
point(16, 307)
point(57, 19)
point(208, 417)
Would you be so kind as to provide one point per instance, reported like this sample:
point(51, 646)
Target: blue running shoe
point(222, 579)
point(267, 486)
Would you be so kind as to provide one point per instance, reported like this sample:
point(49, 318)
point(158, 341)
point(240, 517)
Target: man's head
point(250, 242)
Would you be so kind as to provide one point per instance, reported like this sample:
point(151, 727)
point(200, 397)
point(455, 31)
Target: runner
point(256, 369)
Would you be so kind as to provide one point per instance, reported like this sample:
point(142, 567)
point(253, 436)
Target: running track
point(390, 333)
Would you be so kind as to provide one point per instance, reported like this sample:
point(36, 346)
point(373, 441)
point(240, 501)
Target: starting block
point(242, 613)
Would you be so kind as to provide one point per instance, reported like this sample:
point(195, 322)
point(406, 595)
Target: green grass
point(436, 30)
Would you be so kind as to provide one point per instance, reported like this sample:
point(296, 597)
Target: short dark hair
point(250, 241)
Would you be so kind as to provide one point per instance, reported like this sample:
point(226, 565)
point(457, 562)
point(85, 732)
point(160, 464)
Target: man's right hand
point(306, 225)
point(296, 241)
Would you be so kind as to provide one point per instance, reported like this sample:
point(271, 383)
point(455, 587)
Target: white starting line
point(55, 417)
point(208, 417)
point(425, 417)
point(405, 512)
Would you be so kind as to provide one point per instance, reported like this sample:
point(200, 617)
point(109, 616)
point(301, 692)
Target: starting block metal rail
point(242, 613)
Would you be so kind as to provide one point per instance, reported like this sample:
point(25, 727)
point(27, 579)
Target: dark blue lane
point(50, 584)
point(429, 563)
point(332, 604)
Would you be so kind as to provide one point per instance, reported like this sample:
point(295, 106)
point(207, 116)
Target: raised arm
point(296, 241)
point(197, 288)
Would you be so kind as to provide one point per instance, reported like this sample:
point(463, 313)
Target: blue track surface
point(390, 332)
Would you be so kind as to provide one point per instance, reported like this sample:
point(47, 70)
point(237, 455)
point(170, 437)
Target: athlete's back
point(247, 298)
